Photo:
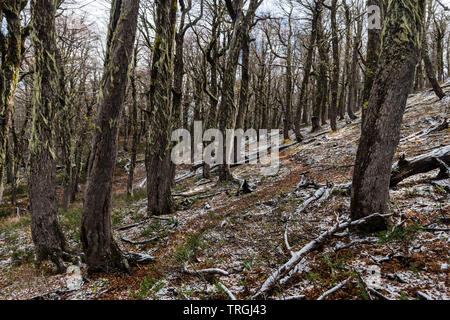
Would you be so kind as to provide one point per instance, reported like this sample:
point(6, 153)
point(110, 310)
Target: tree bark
point(302, 114)
point(382, 123)
point(101, 251)
point(227, 105)
point(133, 125)
point(47, 235)
point(11, 46)
point(158, 153)
point(373, 53)
point(335, 74)
point(424, 163)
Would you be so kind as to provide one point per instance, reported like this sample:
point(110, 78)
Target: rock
point(75, 280)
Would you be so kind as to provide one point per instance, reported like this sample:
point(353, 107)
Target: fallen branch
point(189, 195)
point(321, 195)
point(136, 243)
point(435, 127)
point(227, 291)
point(423, 296)
point(135, 258)
point(334, 289)
point(211, 195)
point(299, 255)
point(210, 271)
point(300, 297)
point(421, 164)
point(133, 225)
point(379, 294)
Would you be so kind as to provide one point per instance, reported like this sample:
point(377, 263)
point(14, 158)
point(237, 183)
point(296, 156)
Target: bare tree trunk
point(212, 57)
point(47, 236)
point(101, 251)
point(428, 64)
point(243, 95)
point(429, 69)
point(158, 162)
point(335, 74)
point(133, 125)
point(12, 48)
point(228, 106)
point(382, 122)
point(302, 109)
point(352, 89)
point(373, 53)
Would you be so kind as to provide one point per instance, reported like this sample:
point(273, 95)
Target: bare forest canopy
point(224, 149)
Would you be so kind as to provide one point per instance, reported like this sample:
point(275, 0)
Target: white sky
point(98, 10)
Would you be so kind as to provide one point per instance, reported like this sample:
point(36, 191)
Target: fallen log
point(275, 277)
point(405, 168)
point(435, 127)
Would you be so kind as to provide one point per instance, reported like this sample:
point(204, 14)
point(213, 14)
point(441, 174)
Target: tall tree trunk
point(158, 153)
point(288, 106)
point(373, 53)
point(133, 125)
point(302, 109)
point(382, 123)
point(101, 251)
point(47, 236)
point(429, 69)
point(321, 92)
point(11, 47)
point(335, 73)
point(241, 22)
point(212, 56)
point(352, 89)
point(244, 88)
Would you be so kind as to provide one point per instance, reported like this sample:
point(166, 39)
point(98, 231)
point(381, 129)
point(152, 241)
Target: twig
point(379, 294)
point(139, 242)
point(210, 271)
point(129, 226)
point(423, 296)
point(300, 297)
point(299, 255)
point(334, 289)
point(227, 291)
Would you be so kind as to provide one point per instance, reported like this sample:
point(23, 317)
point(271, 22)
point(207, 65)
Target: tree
point(373, 53)
point(335, 73)
point(134, 128)
point(47, 235)
point(101, 251)
point(354, 67)
point(302, 114)
point(429, 68)
point(158, 153)
point(11, 48)
point(227, 105)
point(382, 122)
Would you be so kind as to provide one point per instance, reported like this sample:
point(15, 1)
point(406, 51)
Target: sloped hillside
point(224, 243)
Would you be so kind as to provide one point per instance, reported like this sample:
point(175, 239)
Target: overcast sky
point(98, 10)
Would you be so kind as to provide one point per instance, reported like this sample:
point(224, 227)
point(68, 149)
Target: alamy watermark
point(374, 17)
point(215, 147)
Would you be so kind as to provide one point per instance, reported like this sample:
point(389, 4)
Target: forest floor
point(243, 234)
